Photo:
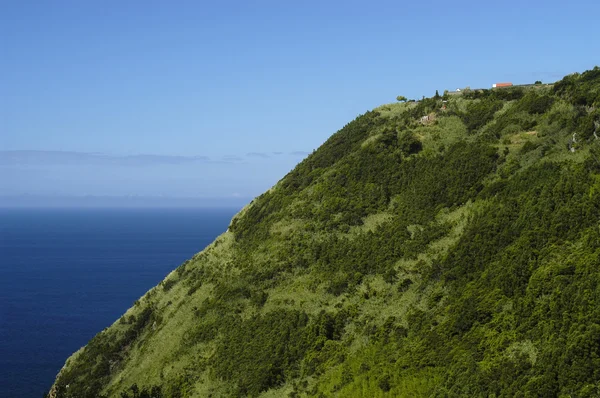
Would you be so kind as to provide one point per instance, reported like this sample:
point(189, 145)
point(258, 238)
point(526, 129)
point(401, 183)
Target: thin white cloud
point(232, 158)
point(70, 158)
point(257, 155)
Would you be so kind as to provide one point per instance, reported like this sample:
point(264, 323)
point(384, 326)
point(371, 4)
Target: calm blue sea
point(67, 274)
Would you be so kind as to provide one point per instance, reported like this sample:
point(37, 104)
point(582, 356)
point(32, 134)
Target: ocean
point(66, 274)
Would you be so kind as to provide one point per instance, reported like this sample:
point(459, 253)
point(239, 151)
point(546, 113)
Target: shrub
point(479, 113)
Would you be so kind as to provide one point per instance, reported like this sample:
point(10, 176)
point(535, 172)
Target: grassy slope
point(458, 257)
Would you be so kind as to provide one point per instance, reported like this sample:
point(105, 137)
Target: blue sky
point(222, 99)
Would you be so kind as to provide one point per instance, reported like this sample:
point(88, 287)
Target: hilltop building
point(497, 85)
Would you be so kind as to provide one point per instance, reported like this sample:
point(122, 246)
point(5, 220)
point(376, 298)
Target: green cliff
point(445, 247)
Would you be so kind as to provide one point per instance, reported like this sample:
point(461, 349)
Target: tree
point(437, 95)
point(401, 98)
point(409, 143)
point(538, 82)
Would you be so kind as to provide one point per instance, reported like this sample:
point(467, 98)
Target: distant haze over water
point(84, 201)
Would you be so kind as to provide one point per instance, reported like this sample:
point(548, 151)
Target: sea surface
point(66, 274)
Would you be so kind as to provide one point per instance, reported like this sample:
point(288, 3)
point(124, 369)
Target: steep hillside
point(456, 254)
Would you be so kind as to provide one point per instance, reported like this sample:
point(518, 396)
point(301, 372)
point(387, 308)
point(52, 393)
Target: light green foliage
point(421, 251)
point(394, 109)
point(453, 127)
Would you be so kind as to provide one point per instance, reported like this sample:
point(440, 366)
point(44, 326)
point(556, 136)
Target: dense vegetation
point(447, 247)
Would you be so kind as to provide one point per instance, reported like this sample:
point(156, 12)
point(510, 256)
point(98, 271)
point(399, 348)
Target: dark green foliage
point(500, 252)
point(390, 276)
point(479, 113)
point(585, 124)
point(536, 103)
point(260, 353)
point(168, 284)
point(528, 147)
point(504, 94)
point(404, 285)
point(257, 353)
point(259, 298)
point(512, 121)
point(509, 93)
point(409, 144)
point(384, 383)
point(366, 182)
point(145, 392)
point(580, 89)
